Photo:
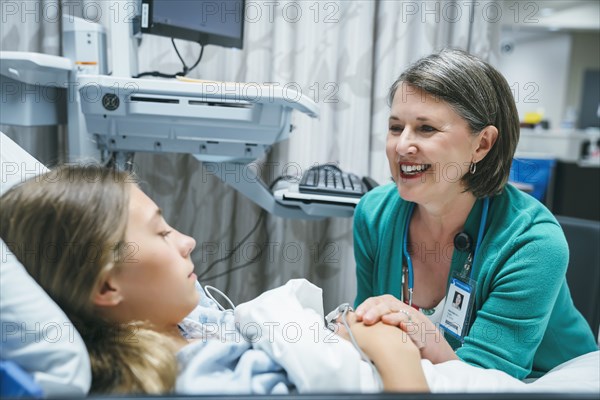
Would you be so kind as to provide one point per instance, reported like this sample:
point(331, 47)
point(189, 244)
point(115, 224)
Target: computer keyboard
point(330, 180)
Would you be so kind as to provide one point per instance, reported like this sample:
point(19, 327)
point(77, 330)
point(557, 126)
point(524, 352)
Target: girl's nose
point(188, 244)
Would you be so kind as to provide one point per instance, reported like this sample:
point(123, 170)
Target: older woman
point(450, 224)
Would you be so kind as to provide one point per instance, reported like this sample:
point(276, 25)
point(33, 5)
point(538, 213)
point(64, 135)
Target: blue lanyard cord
point(405, 251)
point(482, 222)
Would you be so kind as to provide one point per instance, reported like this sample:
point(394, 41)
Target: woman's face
point(156, 276)
point(457, 298)
point(429, 147)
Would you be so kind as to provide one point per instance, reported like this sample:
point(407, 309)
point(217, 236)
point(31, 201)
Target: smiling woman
point(453, 131)
point(430, 146)
point(477, 103)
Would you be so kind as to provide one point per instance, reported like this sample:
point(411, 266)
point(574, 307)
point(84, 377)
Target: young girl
point(102, 250)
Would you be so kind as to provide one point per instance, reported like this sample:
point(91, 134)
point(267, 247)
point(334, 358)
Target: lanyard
point(470, 260)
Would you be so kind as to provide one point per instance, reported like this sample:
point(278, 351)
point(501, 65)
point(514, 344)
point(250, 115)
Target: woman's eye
point(427, 128)
point(396, 128)
point(165, 233)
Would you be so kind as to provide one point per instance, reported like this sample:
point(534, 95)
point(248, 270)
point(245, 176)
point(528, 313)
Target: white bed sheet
point(580, 375)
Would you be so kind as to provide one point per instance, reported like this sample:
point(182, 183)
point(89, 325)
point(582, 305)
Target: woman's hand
point(365, 335)
point(396, 357)
point(425, 335)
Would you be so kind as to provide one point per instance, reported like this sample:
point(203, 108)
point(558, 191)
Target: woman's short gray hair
point(480, 95)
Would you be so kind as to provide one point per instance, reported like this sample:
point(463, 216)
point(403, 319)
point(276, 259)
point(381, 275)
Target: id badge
point(457, 309)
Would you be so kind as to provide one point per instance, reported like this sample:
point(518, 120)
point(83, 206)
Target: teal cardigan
point(525, 322)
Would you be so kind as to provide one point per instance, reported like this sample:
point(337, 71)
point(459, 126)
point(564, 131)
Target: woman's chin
point(406, 193)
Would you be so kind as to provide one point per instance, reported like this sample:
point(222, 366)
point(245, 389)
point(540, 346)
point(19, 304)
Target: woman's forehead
point(420, 104)
point(409, 93)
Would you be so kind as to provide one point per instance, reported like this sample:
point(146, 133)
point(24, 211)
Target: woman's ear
point(486, 140)
point(107, 292)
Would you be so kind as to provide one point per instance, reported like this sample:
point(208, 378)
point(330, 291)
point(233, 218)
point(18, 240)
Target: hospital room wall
point(556, 91)
point(537, 88)
point(344, 55)
point(584, 56)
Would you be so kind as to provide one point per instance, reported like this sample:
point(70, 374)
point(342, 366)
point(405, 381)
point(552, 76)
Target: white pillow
point(36, 333)
point(17, 164)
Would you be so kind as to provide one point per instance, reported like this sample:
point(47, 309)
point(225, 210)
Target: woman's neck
point(445, 218)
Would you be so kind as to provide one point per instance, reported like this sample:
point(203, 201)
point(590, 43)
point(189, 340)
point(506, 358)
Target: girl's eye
point(165, 233)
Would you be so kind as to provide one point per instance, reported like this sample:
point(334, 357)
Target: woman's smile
point(412, 170)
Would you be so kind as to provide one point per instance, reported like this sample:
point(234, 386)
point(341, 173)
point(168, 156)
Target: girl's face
point(155, 278)
point(429, 146)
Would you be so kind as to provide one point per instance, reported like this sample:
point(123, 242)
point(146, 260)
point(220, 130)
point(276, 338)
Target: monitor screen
point(219, 22)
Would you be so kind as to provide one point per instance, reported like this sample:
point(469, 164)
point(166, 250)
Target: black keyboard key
point(329, 180)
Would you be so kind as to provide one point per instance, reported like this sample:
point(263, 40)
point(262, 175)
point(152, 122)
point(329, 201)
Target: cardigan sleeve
point(363, 255)
point(527, 273)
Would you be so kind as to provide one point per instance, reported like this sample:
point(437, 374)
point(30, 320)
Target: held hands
point(392, 351)
point(418, 327)
point(377, 339)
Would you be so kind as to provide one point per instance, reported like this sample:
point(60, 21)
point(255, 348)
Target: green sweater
point(525, 322)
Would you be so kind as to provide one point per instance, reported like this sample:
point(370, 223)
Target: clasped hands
point(387, 310)
point(391, 350)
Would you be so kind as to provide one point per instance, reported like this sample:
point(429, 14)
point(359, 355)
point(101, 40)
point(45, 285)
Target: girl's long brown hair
point(67, 227)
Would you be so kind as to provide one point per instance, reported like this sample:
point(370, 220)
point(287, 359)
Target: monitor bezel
point(204, 39)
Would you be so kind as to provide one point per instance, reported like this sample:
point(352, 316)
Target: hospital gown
point(220, 360)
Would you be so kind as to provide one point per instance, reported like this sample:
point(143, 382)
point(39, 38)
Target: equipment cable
point(185, 71)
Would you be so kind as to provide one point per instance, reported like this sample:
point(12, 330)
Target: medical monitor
point(218, 22)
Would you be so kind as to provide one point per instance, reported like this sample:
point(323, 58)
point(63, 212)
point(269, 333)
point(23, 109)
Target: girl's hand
point(424, 334)
point(391, 350)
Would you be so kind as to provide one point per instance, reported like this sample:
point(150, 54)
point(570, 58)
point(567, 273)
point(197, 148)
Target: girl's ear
point(487, 138)
point(107, 293)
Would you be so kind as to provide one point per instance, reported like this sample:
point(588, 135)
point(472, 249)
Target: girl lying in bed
point(126, 280)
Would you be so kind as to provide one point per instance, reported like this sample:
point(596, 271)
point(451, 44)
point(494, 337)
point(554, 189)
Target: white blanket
point(289, 322)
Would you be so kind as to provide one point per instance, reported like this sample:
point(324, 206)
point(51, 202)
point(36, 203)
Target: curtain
point(342, 54)
point(33, 26)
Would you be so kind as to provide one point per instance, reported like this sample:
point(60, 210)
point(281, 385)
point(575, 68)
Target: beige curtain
point(342, 54)
point(33, 26)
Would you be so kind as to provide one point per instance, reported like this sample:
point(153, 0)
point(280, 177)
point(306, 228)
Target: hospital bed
point(48, 352)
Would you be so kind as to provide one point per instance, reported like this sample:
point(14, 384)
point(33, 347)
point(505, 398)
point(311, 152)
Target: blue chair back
point(536, 172)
